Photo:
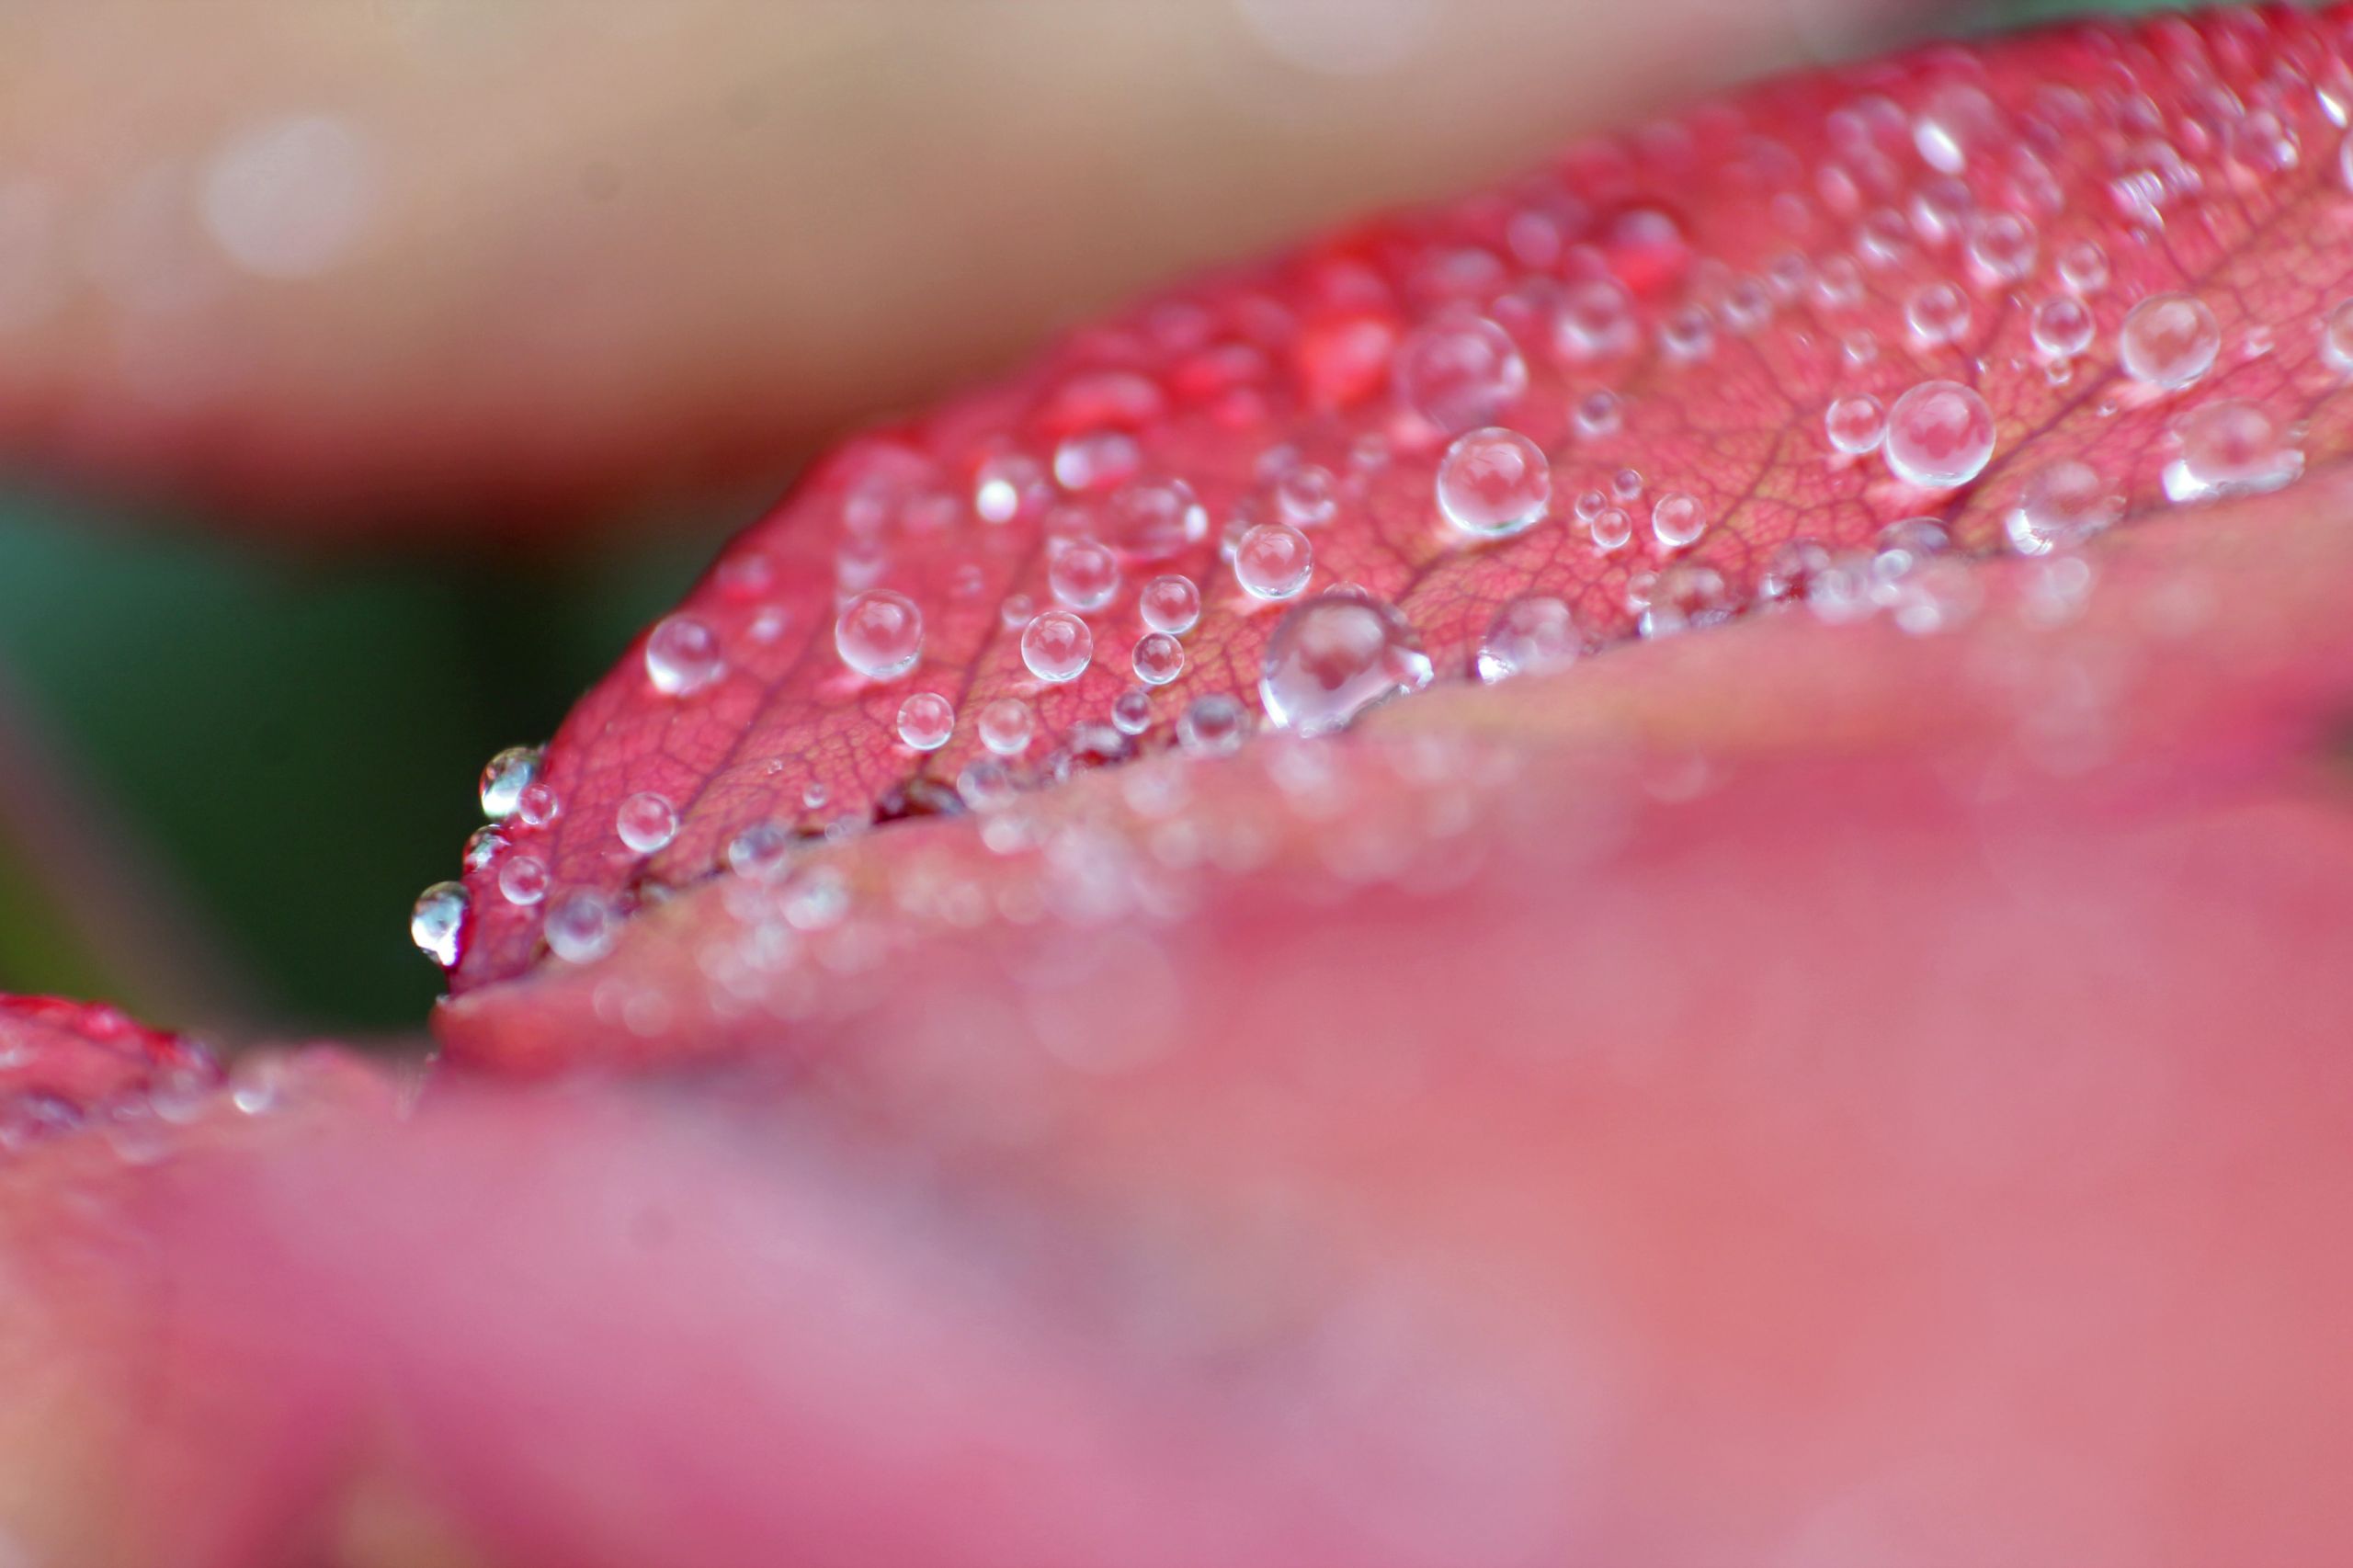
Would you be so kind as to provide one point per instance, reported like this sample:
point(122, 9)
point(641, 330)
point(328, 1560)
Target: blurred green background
point(288, 747)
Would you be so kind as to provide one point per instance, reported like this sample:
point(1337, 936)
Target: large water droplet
point(580, 926)
point(1529, 634)
point(1494, 481)
point(1459, 373)
point(2230, 448)
point(1273, 562)
point(1159, 658)
point(438, 923)
point(506, 778)
point(2169, 340)
point(1084, 575)
point(880, 634)
point(682, 656)
point(646, 823)
point(1855, 425)
point(1170, 604)
point(1940, 434)
point(1334, 656)
point(1057, 646)
point(2062, 505)
point(925, 720)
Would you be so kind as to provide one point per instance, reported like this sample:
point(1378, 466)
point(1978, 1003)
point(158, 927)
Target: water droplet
point(505, 779)
point(682, 656)
point(926, 719)
point(2062, 505)
point(580, 926)
point(438, 923)
point(1461, 373)
point(1687, 594)
point(1096, 459)
point(1334, 656)
point(1084, 575)
point(1596, 321)
point(1154, 519)
point(1937, 313)
point(1006, 725)
point(1494, 483)
point(1528, 635)
point(523, 880)
point(880, 634)
point(1599, 414)
point(2002, 246)
point(2262, 144)
point(1687, 334)
point(1676, 520)
point(985, 784)
point(1170, 604)
point(2169, 340)
point(1211, 725)
point(2230, 448)
point(646, 823)
point(1131, 710)
point(1940, 434)
point(539, 804)
point(1159, 658)
point(1856, 425)
point(1008, 485)
point(1015, 611)
point(1612, 528)
point(483, 846)
point(2062, 327)
point(1057, 646)
point(1307, 496)
point(1790, 570)
point(813, 794)
point(1627, 485)
point(2083, 267)
point(2337, 338)
point(1273, 562)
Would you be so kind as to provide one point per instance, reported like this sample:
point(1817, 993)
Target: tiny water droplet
point(1273, 562)
point(2083, 267)
point(1612, 528)
point(1937, 313)
point(1530, 635)
point(682, 656)
point(1856, 425)
point(1132, 712)
point(580, 926)
point(1057, 646)
point(1494, 483)
point(1307, 496)
point(646, 823)
point(2061, 504)
point(2062, 327)
point(1006, 725)
point(1940, 434)
point(1084, 575)
point(880, 634)
point(483, 846)
point(1170, 604)
point(539, 804)
point(438, 923)
point(1676, 520)
point(523, 880)
point(1153, 518)
point(2002, 246)
point(926, 719)
point(2169, 340)
point(760, 850)
point(1334, 656)
point(1211, 725)
point(1459, 373)
point(2337, 338)
point(1159, 658)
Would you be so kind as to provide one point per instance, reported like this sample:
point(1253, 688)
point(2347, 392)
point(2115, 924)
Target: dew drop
point(646, 823)
point(2002, 246)
point(1596, 321)
point(438, 923)
point(1159, 658)
point(1211, 725)
point(1528, 635)
point(1096, 459)
point(1015, 611)
point(1687, 594)
point(880, 634)
point(926, 719)
point(760, 850)
point(2061, 327)
point(1937, 313)
point(1334, 656)
point(1940, 434)
point(1612, 528)
point(1273, 562)
point(1494, 483)
point(506, 778)
point(1307, 496)
point(1856, 425)
point(682, 656)
point(539, 804)
point(2062, 505)
point(1688, 334)
point(1170, 604)
point(2169, 340)
point(1676, 520)
point(1057, 646)
point(523, 880)
point(1006, 725)
point(580, 926)
point(1459, 373)
point(2083, 267)
point(984, 784)
point(2337, 338)
point(484, 846)
point(1008, 485)
point(1084, 575)
point(1132, 712)
point(1627, 485)
point(2230, 448)
point(1791, 570)
point(1599, 414)
point(1154, 519)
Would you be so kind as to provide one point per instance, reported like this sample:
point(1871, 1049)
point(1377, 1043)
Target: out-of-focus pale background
point(226, 768)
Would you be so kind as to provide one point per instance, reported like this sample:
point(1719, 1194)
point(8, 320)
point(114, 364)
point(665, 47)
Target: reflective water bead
point(539, 804)
point(1612, 528)
point(1084, 575)
point(1015, 611)
point(2002, 246)
point(580, 926)
point(1856, 425)
point(1599, 414)
point(1461, 373)
point(1057, 646)
point(2060, 505)
point(2061, 327)
point(1159, 658)
point(506, 778)
point(1676, 520)
point(436, 924)
point(2230, 448)
point(2083, 267)
point(1589, 505)
point(1687, 594)
point(814, 794)
point(1008, 485)
point(1096, 459)
point(1307, 496)
point(880, 634)
point(1937, 313)
point(2169, 340)
point(1687, 334)
point(1537, 632)
point(1596, 321)
point(2337, 338)
point(1170, 604)
point(1790, 570)
point(523, 880)
point(1940, 434)
point(1627, 484)
point(760, 850)
point(1132, 712)
point(1273, 562)
point(926, 719)
point(984, 784)
point(682, 656)
point(1492, 482)
point(1334, 656)
point(646, 823)
point(1006, 725)
point(1210, 726)
point(1153, 518)
point(484, 846)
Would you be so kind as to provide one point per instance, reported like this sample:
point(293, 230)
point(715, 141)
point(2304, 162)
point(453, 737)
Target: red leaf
point(1827, 231)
